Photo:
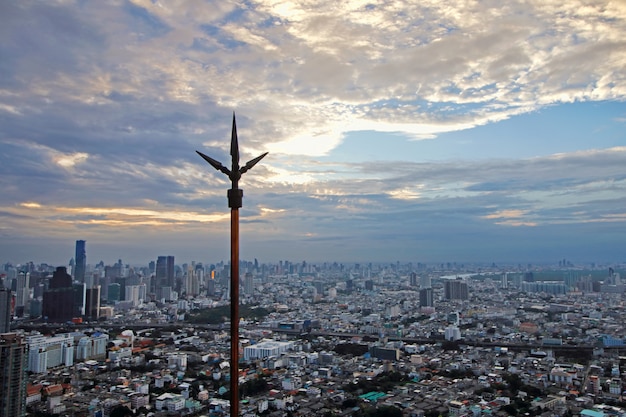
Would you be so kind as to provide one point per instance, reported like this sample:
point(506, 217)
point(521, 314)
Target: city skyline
point(431, 132)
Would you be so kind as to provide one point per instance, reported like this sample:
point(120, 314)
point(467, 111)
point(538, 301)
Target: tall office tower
point(22, 292)
point(58, 300)
point(171, 271)
point(164, 275)
point(210, 287)
point(426, 297)
point(504, 283)
point(199, 273)
point(425, 281)
point(248, 283)
point(80, 298)
point(81, 261)
point(192, 283)
point(413, 279)
point(319, 287)
point(455, 289)
point(133, 294)
point(13, 377)
point(5, 309)
point(92, 303)
point(113, 294)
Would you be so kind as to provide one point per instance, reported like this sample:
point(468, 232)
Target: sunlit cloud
point(266, 210)
point(9, 109)
point(516, 223)
point(30, 204)
point(404, 194)
point(121, 216)
point(70, 160)
point(506, 214)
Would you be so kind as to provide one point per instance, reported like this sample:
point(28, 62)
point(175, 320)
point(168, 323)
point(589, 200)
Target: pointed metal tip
point(252, 163)
point(215, 164)
point(234, 144)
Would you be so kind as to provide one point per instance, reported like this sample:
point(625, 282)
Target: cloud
point(102, 106)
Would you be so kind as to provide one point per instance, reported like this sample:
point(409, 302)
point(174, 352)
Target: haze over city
point(433, 131)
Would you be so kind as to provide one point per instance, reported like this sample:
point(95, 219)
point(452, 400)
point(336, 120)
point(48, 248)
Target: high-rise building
point(455, 289)
point(80, 299)
point(413, 279)
point(58, 300)
point(113, 293)
point(13, 377)
point(49, 351)
point(248, 283)
point(92, 303)
point(164, 275)
point(81, 261)
point(22, 291)
point(426, 297)
point(425, 281)
point(192, 281)
point(5, 309)
point(211, 287)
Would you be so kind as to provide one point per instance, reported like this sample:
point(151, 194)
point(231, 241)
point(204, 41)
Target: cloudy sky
point(398, 130)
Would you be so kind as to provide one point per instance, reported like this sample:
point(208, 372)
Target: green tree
point(121, 411)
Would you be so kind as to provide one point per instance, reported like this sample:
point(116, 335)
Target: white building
point(266, 348)
point(452, 333)
point(170, 402)
point(93, 346)
point(48, 352)
point(177, 361)
point(134, 294)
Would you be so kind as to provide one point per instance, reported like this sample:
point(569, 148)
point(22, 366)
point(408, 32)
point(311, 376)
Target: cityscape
point(434, 225)
point(330, 339)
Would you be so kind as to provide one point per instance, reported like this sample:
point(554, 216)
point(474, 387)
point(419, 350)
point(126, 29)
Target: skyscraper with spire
point(81, 262)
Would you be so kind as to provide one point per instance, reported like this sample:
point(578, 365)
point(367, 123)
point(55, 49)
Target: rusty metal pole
point(234, 312)
point(235, 199)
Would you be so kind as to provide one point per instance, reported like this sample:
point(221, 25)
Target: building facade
point(13, 378)
point(6, 299)
point(58, 300)
point(455, 289)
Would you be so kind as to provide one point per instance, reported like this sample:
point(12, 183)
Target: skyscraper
point(58, 301)
point(248, 283)
point(455, 289)
point(164, 275)
point(426, 297)
point(81, 261)
point(13, 378)
point(92, 303)
point(22, 292)
point(5, 309)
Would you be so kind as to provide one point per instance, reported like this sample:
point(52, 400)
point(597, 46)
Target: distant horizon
point(180, 259)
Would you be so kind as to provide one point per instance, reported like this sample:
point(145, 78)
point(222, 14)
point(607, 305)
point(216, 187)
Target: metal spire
point(235, 199)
